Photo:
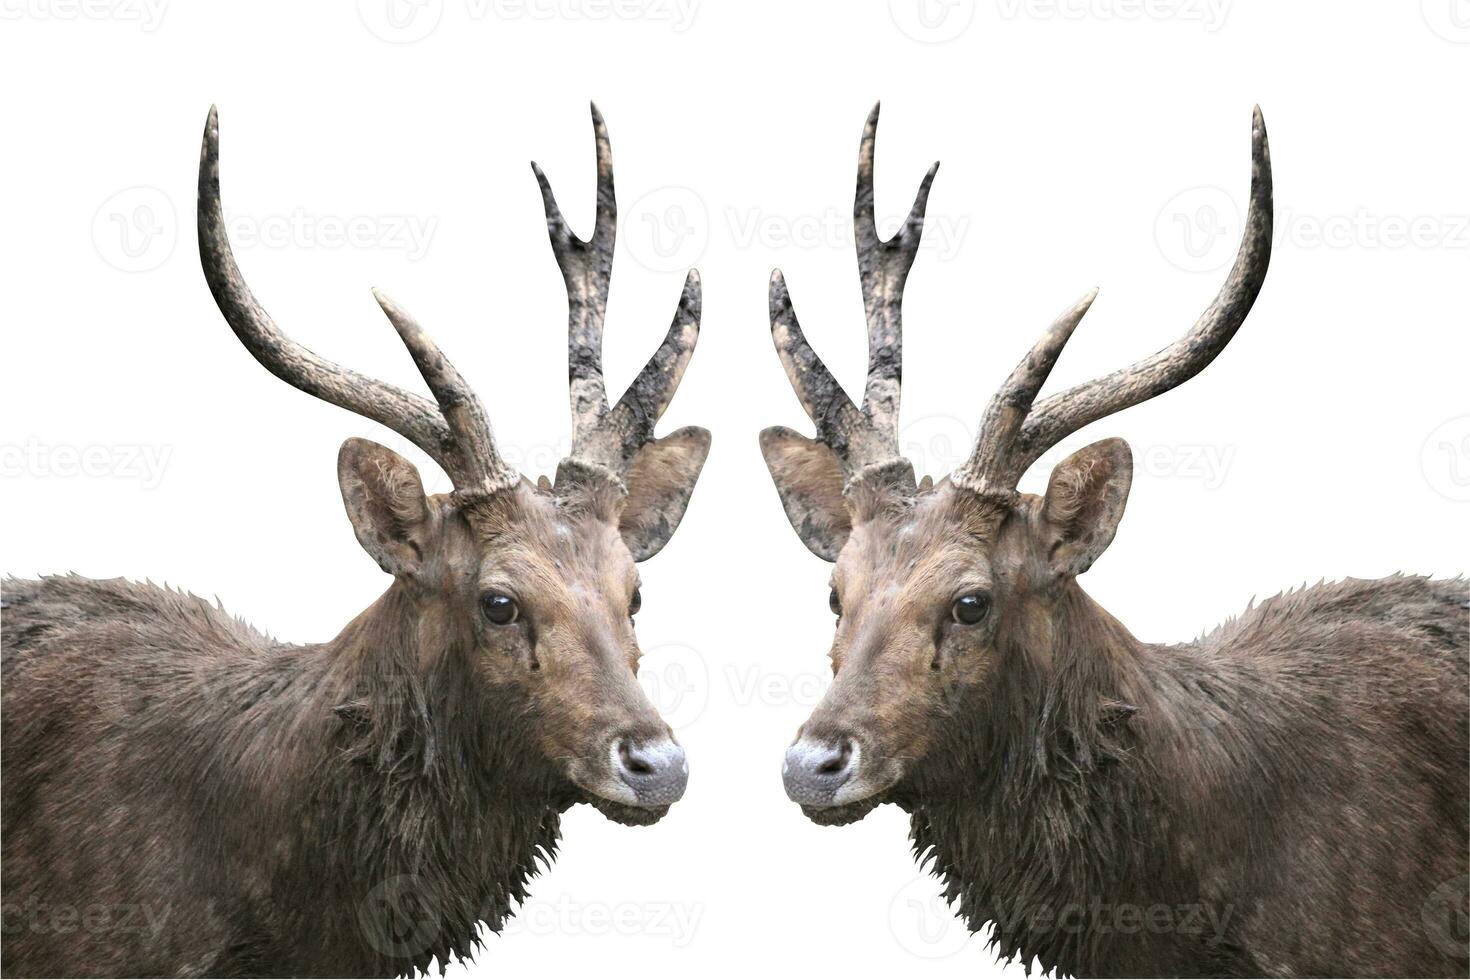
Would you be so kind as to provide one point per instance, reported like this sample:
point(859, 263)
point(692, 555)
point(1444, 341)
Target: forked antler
point(604, 440)
point(1015, 433)
point(863, 439)
point(456, 433)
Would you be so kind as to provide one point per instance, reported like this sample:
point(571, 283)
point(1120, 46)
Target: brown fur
point(222, 804)
point(1285, 796)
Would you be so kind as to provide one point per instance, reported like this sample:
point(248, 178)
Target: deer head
point(948, 593)
point(528, 590)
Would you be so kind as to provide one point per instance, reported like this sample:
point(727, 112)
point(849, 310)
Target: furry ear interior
point(660, 479)
point(1085, 498)
point(385, 502)
point(809, 479)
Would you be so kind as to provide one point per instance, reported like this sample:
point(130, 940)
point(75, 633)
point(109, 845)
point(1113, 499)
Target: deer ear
point(660, 479)
point(809, 479)
point(1084, 503)
point(385, 502)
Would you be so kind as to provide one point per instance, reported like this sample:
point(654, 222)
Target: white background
point(1085, 142)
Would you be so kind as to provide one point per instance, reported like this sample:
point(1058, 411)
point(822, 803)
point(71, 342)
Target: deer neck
point(1051, 786)
point(413, 790)
point(1062, 805)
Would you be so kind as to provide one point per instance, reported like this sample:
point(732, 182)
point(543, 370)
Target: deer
point(211, 802)
point(1284, 796)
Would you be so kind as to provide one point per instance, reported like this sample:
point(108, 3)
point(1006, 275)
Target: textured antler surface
point(603, 438)
point(990, 468)
point(455, 434)
point(863, 439)
point(883, 268)
point(586, 266)
point(1014, 434)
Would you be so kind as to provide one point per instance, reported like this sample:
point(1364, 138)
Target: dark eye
point(834, 603)
point(635, 603)
point(499, 609)
point(970, 609)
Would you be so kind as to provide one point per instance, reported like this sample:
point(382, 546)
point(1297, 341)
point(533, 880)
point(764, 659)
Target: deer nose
point(815, 770)
point(656, 772)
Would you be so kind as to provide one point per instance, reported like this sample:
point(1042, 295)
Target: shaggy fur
point(185, 796)
point(1283, 797)
point(1286, 796)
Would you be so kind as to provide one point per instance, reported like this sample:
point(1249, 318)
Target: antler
point(1014, 433)
point(866, 438)
point(456, 433)
point(604, 440)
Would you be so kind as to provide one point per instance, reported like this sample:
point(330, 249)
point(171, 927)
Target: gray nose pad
point(814, 771)
point(657, 772)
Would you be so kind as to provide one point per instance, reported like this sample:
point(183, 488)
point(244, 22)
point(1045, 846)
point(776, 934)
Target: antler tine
point(840, 425)
point(586, 266)
point(630, 423)
point(1058, 416)
point(863, 439)
point(883, 268)
point(991, 466)
point(468, 424)
point(606, 439)
point(411, 416)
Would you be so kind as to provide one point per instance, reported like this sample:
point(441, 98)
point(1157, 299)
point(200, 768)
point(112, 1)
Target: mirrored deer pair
point(358, 807)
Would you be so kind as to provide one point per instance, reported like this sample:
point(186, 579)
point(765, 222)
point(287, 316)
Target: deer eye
point(970, 609)
point(635, 603)
point(499, 609)
point(834, 603)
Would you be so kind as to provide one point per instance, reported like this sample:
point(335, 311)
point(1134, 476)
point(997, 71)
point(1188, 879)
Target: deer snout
point(656, 771)
point(815, 770)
